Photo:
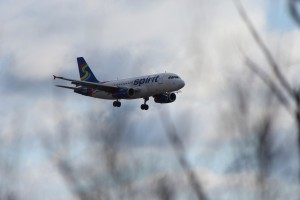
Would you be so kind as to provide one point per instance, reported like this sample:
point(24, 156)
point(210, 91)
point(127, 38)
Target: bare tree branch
point(264, 152)
point(264, 48)
point(180, 152)
point(272, 86)
point(164, 190)
point(292, 4)
point(294, 94)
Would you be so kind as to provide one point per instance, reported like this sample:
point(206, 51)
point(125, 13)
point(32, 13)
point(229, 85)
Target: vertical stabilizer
point(85, 72)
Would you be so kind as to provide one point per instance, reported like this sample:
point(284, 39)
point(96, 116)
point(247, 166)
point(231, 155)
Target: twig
point(179, 151)
point(264, 48)
point(293, 10)
point(293, 94)
point(272, 86)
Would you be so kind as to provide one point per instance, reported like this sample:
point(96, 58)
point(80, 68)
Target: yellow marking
point(85, 76)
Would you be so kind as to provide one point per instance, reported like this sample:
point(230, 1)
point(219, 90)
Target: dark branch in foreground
point(294, 94)
point(292, 4)
point(264, 48)
point(272, 86)
point(180, 153)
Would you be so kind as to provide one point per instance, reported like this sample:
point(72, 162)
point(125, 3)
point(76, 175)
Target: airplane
point(161, 87)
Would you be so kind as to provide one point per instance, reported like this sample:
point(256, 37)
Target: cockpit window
point(173, 77)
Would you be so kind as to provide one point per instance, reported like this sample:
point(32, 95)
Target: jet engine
point(165, 98)
point(124, 93)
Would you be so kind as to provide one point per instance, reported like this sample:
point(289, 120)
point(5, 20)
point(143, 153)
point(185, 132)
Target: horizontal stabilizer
point(92, 85)
point(62, 86)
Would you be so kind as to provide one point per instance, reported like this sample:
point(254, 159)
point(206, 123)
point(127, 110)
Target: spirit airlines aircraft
point(160, 86)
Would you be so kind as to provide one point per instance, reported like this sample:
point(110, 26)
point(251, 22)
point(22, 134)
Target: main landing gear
point(144, 106)
point(117, 103)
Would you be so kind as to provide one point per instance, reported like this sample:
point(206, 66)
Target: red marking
point(90, 93)
point(82, 65)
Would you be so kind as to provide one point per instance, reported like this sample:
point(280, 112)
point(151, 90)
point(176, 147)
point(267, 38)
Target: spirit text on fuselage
point(147, 80)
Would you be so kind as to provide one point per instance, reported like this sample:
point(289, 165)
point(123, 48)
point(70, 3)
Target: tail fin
point(85, 72)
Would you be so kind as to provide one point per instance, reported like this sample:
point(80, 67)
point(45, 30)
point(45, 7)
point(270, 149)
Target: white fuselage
point(144, 86)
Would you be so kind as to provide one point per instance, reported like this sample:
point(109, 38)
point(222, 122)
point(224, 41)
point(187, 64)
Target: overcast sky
point(200, 40)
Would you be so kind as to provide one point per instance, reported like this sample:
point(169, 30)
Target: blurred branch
point(292, 4)
point(264, 152)
point(71, 178)
point(180, 153)
point(84, 180)
point(275, 67)
point(272, 86)
point(164, 190)
point(264, 48)
point(66, 171)
point(11, 147)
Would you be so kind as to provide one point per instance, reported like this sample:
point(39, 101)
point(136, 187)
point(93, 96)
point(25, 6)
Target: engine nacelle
point(165, 98)
point(124, 93)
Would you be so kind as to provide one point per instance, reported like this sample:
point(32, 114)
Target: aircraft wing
point(97, 86)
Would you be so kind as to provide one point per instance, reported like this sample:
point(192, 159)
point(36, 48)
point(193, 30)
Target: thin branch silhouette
point(268, 81)
point(180, 153)
point(292, 5)
point(286, 87)
point(263, 47)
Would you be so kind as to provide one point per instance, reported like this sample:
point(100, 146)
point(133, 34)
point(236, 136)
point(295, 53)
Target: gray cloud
point(199, 40)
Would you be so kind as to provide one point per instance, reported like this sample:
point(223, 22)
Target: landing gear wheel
point(117, 104)
point(144, 107)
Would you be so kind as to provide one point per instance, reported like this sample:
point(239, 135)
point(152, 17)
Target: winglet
point(54, 77)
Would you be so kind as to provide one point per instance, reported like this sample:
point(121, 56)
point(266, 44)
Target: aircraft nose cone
point(182, 84)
